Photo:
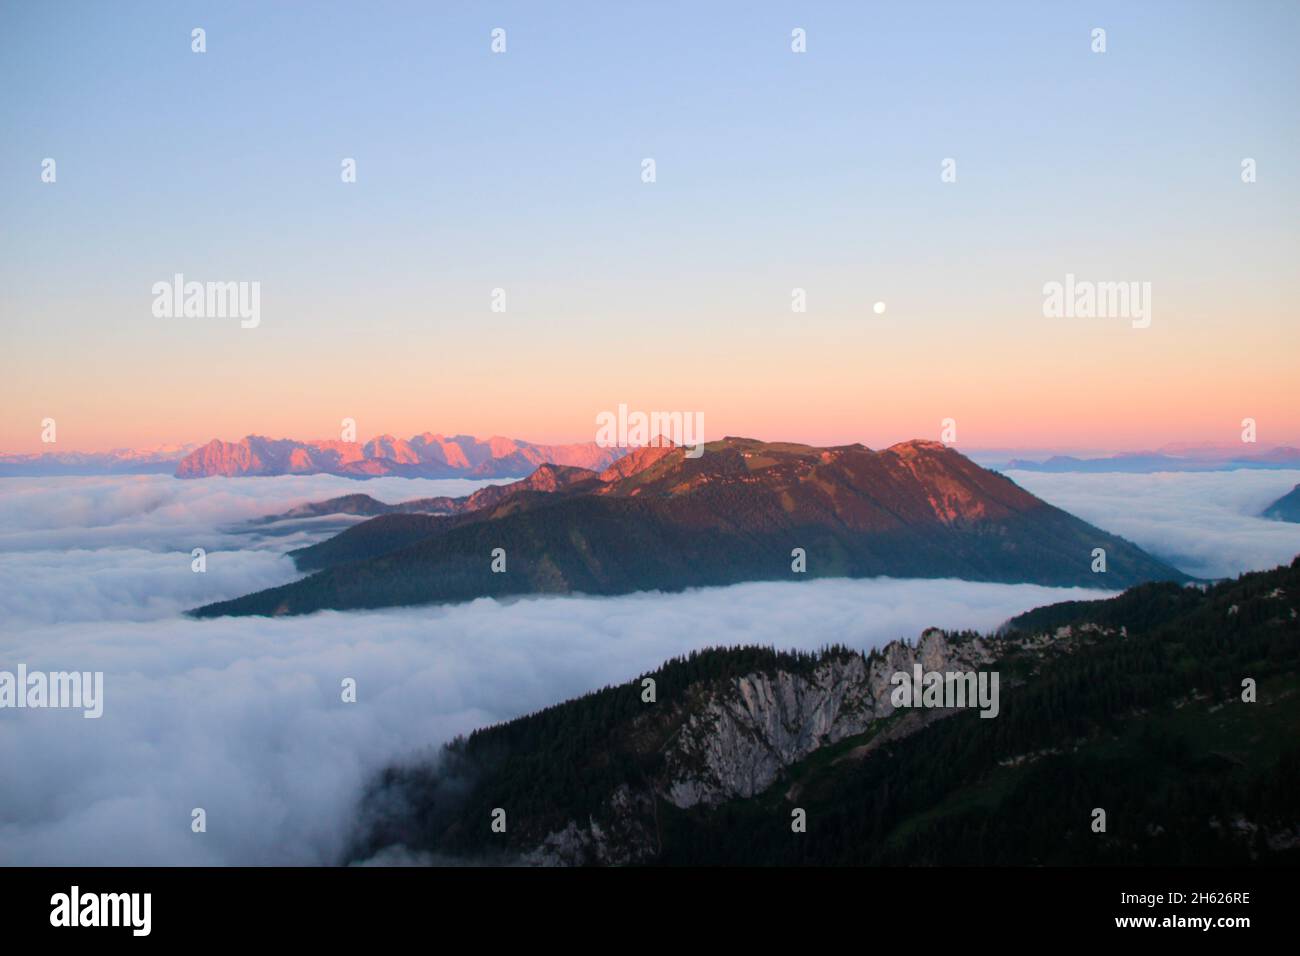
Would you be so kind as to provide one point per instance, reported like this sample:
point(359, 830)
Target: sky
point(775, 170)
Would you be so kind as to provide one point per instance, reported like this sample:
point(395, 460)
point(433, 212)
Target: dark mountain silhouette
point(547, 478)
point(1172, 707)
point(1286, 508)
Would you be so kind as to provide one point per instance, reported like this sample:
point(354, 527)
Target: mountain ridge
point(427, 455)
point(745, 510)
point(1155, 727)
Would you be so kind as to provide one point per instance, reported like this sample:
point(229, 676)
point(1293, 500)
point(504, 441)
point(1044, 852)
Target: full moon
point(878, 308)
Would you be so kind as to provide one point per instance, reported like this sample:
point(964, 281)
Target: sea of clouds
point(243, 717)
point(1204, 523)
point(119, 548)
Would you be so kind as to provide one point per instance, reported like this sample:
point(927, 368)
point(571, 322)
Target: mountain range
point(423, 456)
point(746, 510)
point(160, 460)
point(1178, 458)
point(1172, 709)
point(431, 455)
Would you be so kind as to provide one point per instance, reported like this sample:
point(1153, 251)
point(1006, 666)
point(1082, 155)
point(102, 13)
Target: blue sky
point(521, 170)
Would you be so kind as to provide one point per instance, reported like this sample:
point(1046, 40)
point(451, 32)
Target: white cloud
point(1205, 523)
point(243, 717)
point(160, 512)
point(104, 548)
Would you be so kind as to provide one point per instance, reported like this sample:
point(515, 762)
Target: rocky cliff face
point(741, 740)
point(737, 740)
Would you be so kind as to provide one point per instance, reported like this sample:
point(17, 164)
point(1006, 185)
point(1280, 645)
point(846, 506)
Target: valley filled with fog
point(243, 716)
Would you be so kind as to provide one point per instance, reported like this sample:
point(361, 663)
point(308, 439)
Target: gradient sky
point(775, 171)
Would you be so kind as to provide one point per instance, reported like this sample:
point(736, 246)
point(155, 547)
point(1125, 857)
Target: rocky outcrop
point(626, 836)
point(739, 742)
point(735, 741)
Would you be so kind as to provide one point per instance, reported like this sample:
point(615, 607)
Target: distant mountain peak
point(426, 455)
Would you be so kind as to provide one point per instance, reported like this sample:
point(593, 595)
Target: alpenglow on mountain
point(423, 456)
point(744, 511)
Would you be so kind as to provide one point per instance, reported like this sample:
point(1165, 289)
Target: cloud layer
point(243, 717)
point(103, 548)
point(1206, 524)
